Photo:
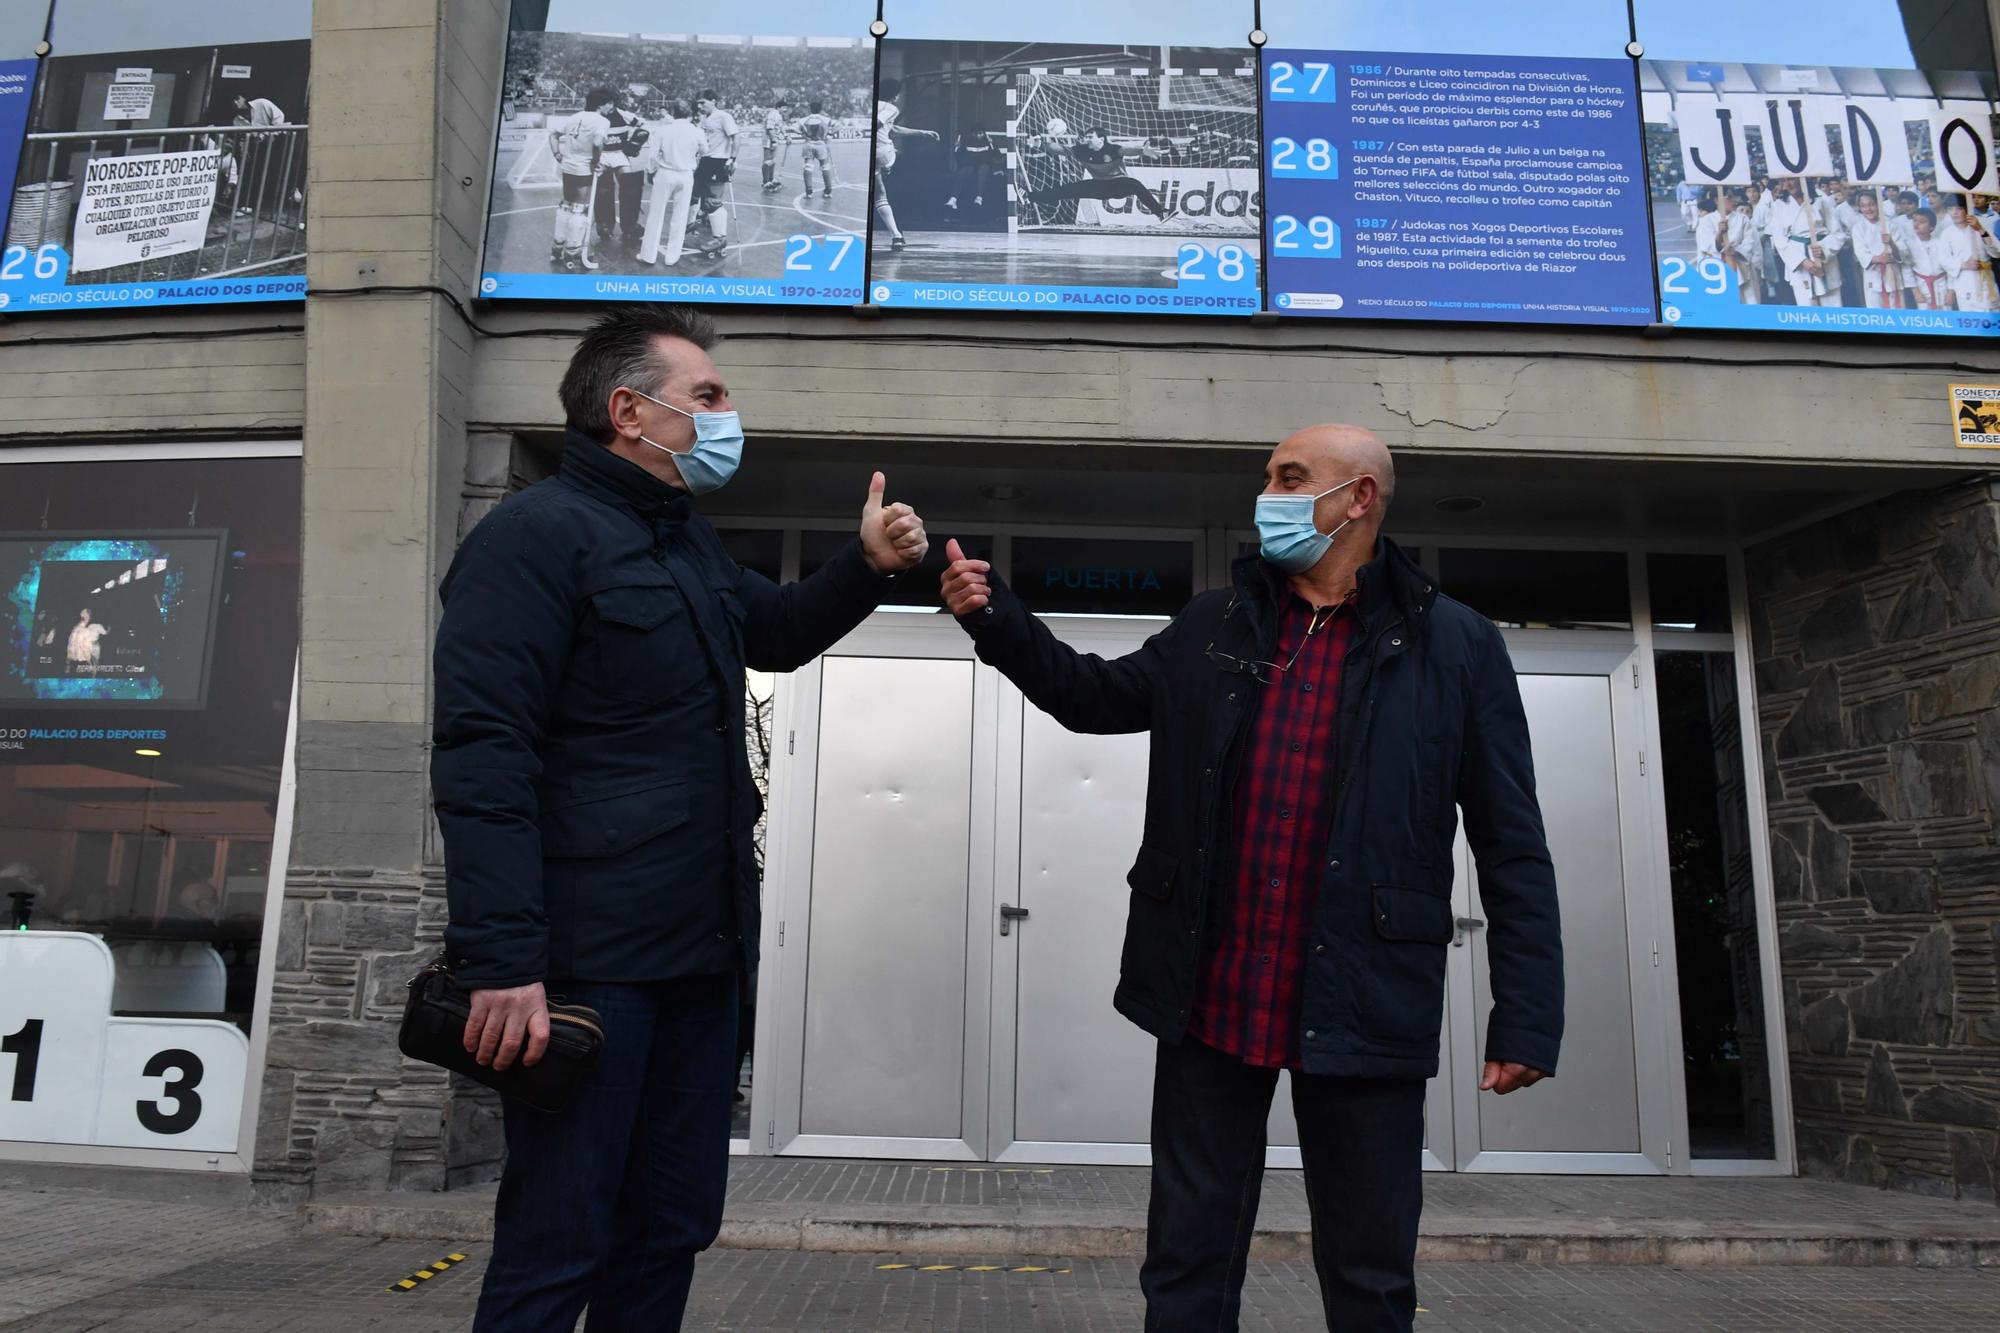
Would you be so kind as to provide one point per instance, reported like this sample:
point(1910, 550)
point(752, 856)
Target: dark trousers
point(608, 1203)
point(1362, 1143)
point(618, 203)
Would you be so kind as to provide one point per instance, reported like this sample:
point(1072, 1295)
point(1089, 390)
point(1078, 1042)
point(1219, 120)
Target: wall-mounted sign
point(142, 208)
point(1455, 187)
point(1975, 415)
point(128, 101)
point(145, 180)
point(1856, 200)
point(1113, 177)
point(670, 166)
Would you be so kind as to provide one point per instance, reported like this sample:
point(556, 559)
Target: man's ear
point(623, 410)
point(1370, 486)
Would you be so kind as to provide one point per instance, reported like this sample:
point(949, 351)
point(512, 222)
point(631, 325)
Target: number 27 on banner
point(1302, 81)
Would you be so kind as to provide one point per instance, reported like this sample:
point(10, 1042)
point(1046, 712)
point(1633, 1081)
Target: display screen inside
point(109, 617)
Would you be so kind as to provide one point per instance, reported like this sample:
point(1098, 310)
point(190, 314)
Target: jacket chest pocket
point(734, 615)
point(644, 645)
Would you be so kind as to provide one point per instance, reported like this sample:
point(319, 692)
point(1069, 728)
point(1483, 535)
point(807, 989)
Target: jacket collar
point(1391, 582)
point(596, 471)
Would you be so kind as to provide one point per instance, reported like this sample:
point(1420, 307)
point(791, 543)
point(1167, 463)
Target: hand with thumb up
point(965, 586)
point(892, 536)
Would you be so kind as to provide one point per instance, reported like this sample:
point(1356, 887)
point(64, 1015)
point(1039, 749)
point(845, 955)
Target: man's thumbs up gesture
point(965, 587)
point(892, 536)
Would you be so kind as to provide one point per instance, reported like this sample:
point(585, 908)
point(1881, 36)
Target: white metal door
point(1072, 1078)
point(884, 803)
point(1608, 1110)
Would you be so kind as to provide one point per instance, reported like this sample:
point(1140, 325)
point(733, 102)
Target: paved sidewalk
point(335, 1284)
point(1100, 1212)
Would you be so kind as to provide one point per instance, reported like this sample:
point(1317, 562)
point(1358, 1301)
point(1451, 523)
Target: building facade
point(1750, 581)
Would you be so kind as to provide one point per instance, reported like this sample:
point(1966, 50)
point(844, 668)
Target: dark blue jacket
point(1430, 719)
point(589, 767)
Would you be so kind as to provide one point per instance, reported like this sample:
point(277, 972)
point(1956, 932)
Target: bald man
point(1316, 731)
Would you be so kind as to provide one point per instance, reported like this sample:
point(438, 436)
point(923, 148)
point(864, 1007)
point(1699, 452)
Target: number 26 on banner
point(24, 271)
point(1303, 81)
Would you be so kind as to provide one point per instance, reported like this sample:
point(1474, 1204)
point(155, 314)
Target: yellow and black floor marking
point(966, 1268)
point(423, 1275)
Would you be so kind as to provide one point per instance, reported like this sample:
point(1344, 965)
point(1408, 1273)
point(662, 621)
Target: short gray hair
point(618, 350)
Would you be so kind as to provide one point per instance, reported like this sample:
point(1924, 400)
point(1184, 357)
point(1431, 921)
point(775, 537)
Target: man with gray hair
point(598, 812)
point(1316, 729)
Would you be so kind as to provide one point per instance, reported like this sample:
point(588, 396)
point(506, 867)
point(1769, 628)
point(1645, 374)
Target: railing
point(257, 220)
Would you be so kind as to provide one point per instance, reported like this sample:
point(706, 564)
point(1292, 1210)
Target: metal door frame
point(776, 1098)
point(1616, 658)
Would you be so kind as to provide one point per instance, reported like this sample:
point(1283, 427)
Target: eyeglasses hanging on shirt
point(1267, 673)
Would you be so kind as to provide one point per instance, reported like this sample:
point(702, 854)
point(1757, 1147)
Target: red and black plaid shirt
point(1247, 997)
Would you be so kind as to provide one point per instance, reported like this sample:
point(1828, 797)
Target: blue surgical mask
point(717, 451)
point(1288, 536)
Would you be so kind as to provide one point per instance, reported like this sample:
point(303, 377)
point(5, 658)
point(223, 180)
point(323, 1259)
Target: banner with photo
point(165, 158)
point(641, 157)
point(1055, 158)
point(1455, 187)
point(1824, 197)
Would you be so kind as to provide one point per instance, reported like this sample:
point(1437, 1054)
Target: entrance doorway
point(949, 880)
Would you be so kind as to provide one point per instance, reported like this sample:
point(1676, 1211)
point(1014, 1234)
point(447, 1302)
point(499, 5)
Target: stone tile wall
point(343, 1110)
point(1877, 638)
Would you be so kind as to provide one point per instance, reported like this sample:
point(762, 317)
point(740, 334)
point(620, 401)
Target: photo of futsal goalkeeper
point(1104, 164)
point(1064, 165)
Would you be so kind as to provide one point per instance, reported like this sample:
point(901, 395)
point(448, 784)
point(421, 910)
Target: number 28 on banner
point(70, 1072)
point(1314, 159)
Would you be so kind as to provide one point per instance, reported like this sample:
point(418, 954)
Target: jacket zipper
point(1367, 720)
point(1226, 767)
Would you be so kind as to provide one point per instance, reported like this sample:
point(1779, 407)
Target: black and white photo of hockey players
point(685, 155)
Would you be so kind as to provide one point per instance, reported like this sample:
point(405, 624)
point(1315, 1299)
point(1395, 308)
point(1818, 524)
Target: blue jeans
point(607, 1204)
point(1361, 1141)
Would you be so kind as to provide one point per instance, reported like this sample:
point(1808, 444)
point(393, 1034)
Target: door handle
point(1464, 924)
point(1009, 914)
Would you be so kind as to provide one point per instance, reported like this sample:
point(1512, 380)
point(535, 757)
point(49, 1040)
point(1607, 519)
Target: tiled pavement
point(58, 1247)
point(1450, 1199)
point(73, 1261)
point(863, 1206)
point(336, 1285)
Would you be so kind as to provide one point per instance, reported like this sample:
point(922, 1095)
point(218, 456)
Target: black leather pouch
point(434, 1032)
